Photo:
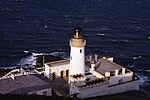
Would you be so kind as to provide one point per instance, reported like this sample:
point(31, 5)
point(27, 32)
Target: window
point(53, 76)
point(80, 50)
point(62, 74)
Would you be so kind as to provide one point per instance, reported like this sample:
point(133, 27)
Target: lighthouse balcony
point(77, 42)
point(77, 76)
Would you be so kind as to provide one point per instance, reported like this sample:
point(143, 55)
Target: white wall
point(56, 69)
point(77, 60)
point(106, 90)
point(134, 85)
point(93, 91)
point(47, 70)
point(125, 78)
point(60, 68)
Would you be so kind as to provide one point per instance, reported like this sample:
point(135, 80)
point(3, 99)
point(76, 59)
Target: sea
point(118, 28)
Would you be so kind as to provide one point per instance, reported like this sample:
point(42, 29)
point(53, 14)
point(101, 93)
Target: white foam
point(113, 40)
point(60, 54)
point(85, 21)
point(105, 28)
point(66, 16)
point(127, 41)
point(147, 70)
point(138, 2)
point(40, 54)
point(140, 70)
point(130, 66)
point(56, 54)
point(100, 34)
point(28, 61)
point(46, 26)
point(26, 51)
point(143, 79)
point(138, 57)
point(69, 22)
point(9, 67)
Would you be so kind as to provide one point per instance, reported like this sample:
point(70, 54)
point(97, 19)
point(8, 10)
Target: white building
point(57, 69)
point(91, 76)
point(19, 81)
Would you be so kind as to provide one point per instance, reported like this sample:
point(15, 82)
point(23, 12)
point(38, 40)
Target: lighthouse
point(77, 61)
point(77, 53)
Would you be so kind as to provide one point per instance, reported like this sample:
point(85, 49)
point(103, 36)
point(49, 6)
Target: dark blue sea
point(118, 28)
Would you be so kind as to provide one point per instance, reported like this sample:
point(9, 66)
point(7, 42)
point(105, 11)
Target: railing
point(96, 82)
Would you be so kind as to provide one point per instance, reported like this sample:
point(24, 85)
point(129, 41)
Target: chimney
point(12, 76)
point(92, 66)
point(110, 59)
point(96, 57)
point(116, 72)
point(107, 74)
point(90, 58)
point(123, 71)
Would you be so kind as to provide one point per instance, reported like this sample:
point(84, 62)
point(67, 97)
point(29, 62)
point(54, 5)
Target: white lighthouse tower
point(77, 61)
point(77, 53)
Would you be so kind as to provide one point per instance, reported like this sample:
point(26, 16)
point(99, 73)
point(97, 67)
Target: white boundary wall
point(106, 90)
point(125, 78)
point(134, 85)
point(93, 91)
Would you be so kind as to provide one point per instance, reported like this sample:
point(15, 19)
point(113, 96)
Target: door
point(62, 74)
point(67, 73)
point(53, 76)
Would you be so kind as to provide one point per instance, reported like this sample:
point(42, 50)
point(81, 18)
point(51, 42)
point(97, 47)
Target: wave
point(136, 57)
point(142, 74)
point(60, 54)
point(143, 71)
point(9, 67)
point(127, 41)
point(144, 80)
point(138, 70)
point(40, 54)
point(147, 70)
point(30, 60)
point(56, 54)
point(101, 34)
